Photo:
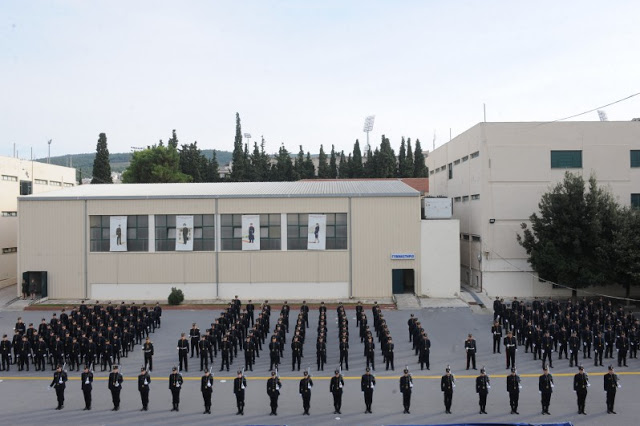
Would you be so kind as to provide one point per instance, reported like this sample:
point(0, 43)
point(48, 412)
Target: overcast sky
point(304, 72)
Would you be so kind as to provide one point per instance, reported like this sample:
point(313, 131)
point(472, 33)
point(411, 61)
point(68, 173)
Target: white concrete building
point(496, 173)
point(23, 177)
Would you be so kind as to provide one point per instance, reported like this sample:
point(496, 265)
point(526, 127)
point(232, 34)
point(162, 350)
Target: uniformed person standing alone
point(447, 383)
point(610, 387)
point(273, 390)
point(470, 348)
point(545, 387)
point(580, 384)
point(513, 387)
point(115, 386)
point(59, 383)
point(143, 387)
point(305, 391)
point(367, 385)
point(86, 384)
point(206, 387)
point(335, 387)
point(175, 384)
point(482, 389)
point(406, 385)
point(147, 348)
point(239, 385)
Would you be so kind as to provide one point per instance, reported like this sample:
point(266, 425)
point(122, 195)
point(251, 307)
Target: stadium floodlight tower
point(248, 137)
point(368, 126)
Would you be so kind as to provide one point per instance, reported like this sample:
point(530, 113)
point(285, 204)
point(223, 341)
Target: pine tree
point(173, 141)
point(250, 172)
point(402, 160)
point(298, 166)
point(356, 168)
point(283, 169)
point(370, 165)
point(409, 163)
point(260, 163)
point(213, 169)
point(238, 160)
point(308, 167)
point(333, 166)
point(419, 166)
point(192, 162)
point(101, 164)
point(323, 166)
point(387, 165)
point(342, 166)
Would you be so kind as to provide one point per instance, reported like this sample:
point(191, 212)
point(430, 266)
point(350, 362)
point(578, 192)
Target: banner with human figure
point(118, 233)
point(317, 235)
point(250, 232)
point(184, 233)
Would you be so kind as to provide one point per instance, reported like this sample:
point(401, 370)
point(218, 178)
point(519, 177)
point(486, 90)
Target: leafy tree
point(283, 169)
point(402, 161)
point(173, 140)
point(333, 166)
point(323, 166)
point(356, 169)
point(192, 162)
point(213, 168)
point(238, 159)
point(419, 166)
point(626, 249)
point(156, 164)
point(409, 162)
point(567, 242)
point(101, 165)
point(387, 164)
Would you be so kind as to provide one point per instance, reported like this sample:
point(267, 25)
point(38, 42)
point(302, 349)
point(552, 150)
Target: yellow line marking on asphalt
point(230, 378)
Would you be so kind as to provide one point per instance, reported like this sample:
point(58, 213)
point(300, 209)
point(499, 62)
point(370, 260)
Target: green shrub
point(176, 296)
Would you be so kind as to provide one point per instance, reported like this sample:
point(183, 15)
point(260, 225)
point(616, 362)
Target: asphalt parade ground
point(26, 399)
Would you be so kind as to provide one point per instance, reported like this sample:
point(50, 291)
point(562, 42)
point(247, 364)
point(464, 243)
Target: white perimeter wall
point(440, 261)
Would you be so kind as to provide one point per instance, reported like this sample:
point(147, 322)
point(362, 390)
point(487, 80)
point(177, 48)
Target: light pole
point(368, 126)
point(248, 137)
point(49, 155)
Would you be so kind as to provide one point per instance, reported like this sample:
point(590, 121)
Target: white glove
point(86, 382)
point(177, 385)
point(116, 384)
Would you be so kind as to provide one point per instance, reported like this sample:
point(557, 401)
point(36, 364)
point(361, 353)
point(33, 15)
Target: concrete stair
point(405, 302)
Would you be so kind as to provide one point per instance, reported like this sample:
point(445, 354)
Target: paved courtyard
point(25, 398)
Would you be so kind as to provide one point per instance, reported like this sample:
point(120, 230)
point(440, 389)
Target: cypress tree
point(173, 140)
point(308, 167)
point(238, 160)
point(213, 169)
point(369, 166)
point(402, 161)
point(101, 164)
point(409, 164)
point(356, 168)
point(323, 166)
point(333, 167)
point(387, 164)
point(419, 166)
point(342, 167)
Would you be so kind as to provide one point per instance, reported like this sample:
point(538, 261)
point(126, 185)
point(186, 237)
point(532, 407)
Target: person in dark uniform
point(296, 353)
point(59, 383)
point(622, 346)
point(183, 351)
point(510, 347)
point(273, 390)
point(406, 385)
point(513, 387)
point(496, 330)
point(239, 385)
point(425, 349)
point(335, 387)
point(305, 391)
point(194, 334)
point(143, 387)
point(470, 348)
point(5, 353)
point(580, 385)
point(482, 389)
point(574, 347)
point(252, 233)
point(206, 387)
point(367, 385)
point(147, 349)
point(344, 353)
point(118, 235)
point(610, 387)
point(115, 386)
point(389, 355)
point(175, 384)
point(205, 348)
point(545, 387)
point(86, 384)
point(447, 383)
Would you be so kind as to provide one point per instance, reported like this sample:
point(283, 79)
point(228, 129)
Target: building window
point(137, 233)
point(55, 183)
point(10, 178)
point(431, 172)
point(566, 159)
point(457, 199)
point(41, 182)
point(465, 158)
point(635, 201)
point(25, 187)
point(298, 228)
point(9, 214)
point(9, 250)
point(475, 197)
point(475, 154)
point(231, 231)
point(465, 237)
point(455, 163)
point(203, 232)
point(270, 231)
point(635, 158)
point(475, 238)
point(450, 170)
point(465, 198)
point(67, 184)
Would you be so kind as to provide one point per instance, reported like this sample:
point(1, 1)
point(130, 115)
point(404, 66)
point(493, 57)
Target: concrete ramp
point(405, 302)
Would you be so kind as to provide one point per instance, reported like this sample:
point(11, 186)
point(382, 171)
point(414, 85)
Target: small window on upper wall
point(475, 154)
point(635, 158)
point(566, 159)
point(635, 201)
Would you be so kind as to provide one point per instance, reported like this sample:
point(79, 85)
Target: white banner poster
point(317, 235)
point(118, 233)
point(184, 233)
point(250, 232)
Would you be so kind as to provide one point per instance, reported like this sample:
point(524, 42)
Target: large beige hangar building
point(293, 240)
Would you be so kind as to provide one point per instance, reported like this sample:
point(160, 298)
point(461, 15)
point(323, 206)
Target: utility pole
point(49, 155)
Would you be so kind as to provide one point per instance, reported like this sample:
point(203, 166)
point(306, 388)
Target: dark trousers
point(622, 359)
point(547, 356)
point(204, 362)
point(224, 360)
point(344, 356)
point(306, 401)
point(115, 397)
point(511, 357)
point(194, 345)
point(295, 358)
point(368, 398)
point(424, 359)
point(371, 359)
point(60, 395)
point(175, 396)
point(274, 360)
point(274, 402)
point(5, 362)
point(471, 357)
point(573, 357)
point(563, 348)
point(608, 351)
point(206, 395)
point(582, 396)
point(337, 400)
point(482, 400)
point(611, 399)
point(406, 400)
point(598, 356)
point(448, 399)
point(390, 360)
point(87, 397)
point(182, 356)
point(514, 397)
point(586, 350)
point(496, 344)
point(148, 360)
point(240, 401)
point(144, 396)
point(546, 400)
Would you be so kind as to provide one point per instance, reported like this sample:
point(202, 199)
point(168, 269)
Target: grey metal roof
point(300, 189)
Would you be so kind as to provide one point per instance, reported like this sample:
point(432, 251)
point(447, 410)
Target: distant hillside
point(119, 161)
